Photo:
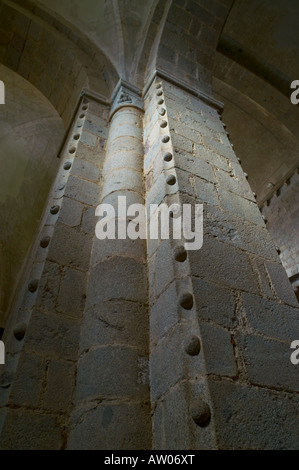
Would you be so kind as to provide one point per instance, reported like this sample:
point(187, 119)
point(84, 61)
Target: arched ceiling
point(118, 27)
point(31, 133)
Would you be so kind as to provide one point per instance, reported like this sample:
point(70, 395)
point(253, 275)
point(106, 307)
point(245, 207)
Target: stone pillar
point(112, 407)
point(223, 317)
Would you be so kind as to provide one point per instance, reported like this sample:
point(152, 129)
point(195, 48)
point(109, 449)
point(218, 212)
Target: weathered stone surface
point(253, 418)
point(49, 286)
point(131, 284)
point(60, 386)
point(164, 313)
point(28, 381)
point(239, 206)
point(268, 363)
point(214, 303)
point(106, 427)
point(217, 350)
point(53, 335)
point(281, 283)
point(116, 322)
point(70, 247)
point(97, 381)
point(271, 319)
point(85, 170)
point(220, 263)
point(245, 235)
point(82, 191)
point(29, 430)
point(71, 212)
point(72, 294)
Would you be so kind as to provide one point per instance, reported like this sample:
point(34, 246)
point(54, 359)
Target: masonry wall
point(42, 339)
point(223, 317)
point(283, 223)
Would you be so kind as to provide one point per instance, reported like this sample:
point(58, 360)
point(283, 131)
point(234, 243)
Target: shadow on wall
point(31, 132)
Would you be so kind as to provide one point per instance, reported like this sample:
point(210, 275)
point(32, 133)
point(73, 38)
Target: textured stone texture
point(109, 358)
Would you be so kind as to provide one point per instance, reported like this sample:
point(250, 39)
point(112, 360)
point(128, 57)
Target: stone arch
point(30, 137)
point(53, 57)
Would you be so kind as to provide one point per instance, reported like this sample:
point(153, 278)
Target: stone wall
point(42, 337)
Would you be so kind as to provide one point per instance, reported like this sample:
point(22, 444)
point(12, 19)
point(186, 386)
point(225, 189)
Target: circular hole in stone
point(159, 85)
point(163, 124)
point(160, 93)
point(54, 210)
point(162, 112)
point(20, 331)
point(72, 150)
point(161, 102)
point(171, 180)
point(201, 413)
point(67, 166)
point(82, 116)
point(84, 108)
point(77, 137)
point(33, 285)
point(186, 300)
point(60, 187)
point(193, 346)
point(167, 157)
point(180, 254)
point(165, 139)
point(175, 212)
point(45, 242)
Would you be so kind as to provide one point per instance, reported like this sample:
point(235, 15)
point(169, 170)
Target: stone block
point(29, 430)
point(121, 180)
point(83, 191)
point(89, 139)
point(271, 318)
point(72, 294)
point(28, 381)
point(268, 363)
point(195, 166)
point(95, 380)
point(250, 418)
point(239, 206)
point(214, 303)
point(112, 426)
point(49, 286)
point(247, 236)
point(116, 322)
point(123, 159)
point(69, 247)
point(53, 335)
point(219, 148)
point(281, 283)
point(117, 278)
point(71, 212)
point(217, 350)
point(60, 386)
point(85, 170)
point(221, 263)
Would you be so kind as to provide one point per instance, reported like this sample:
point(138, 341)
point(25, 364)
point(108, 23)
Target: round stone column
point(112, 409)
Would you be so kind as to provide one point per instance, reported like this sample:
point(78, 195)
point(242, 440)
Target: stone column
point(222, 318)
point(112, 392)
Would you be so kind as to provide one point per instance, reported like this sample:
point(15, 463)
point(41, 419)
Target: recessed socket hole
point(171, 180)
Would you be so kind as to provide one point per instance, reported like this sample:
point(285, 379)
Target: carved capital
point(125, 94)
